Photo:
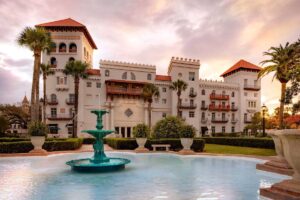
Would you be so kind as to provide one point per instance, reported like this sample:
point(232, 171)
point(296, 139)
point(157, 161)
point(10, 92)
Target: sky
point(219, 33)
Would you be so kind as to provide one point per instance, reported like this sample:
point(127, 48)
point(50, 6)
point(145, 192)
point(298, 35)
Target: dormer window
point(149, 77)
point(132, 76)
point(107, 73)
point(124, 75)
point(72, 48)
point(62, 48)
point(192, 76)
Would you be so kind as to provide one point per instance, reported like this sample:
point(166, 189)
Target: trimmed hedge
point(13, 139)
point(88, 140)
point(236, 134)
point(242, 142)
point(130, 144)
point(49, 145)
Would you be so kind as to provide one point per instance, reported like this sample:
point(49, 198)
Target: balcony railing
point(251, 87)
point(60, 117)
point(193, 94)
point(213, 107)
point(62, 87)
point(247, 121)
point(204, 120)
point(70, 101)
point(73, 50)
point(219, 120)
point(52, 102)
point(204, 107)
point(187, 106)
point(234, 108)
point(219, 96)
point(233, 121)
point(123, 90)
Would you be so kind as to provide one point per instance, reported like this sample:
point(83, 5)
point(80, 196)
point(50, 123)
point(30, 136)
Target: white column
point(126, 132)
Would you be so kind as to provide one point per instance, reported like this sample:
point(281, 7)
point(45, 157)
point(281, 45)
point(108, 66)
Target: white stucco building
point(218, 106)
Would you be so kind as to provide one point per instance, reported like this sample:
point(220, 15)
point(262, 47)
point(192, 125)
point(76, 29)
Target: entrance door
point(123, 132)
point(128, 132)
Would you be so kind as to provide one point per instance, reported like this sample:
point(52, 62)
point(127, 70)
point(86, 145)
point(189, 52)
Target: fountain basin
point(87, 165)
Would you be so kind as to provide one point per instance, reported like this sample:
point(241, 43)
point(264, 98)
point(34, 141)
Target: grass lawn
point(225, 149)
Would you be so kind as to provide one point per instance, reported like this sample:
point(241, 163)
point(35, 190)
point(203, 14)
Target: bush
point(168, 127)
point(8, 139)
point(49, 145)
point(187, 131)
point(130, 144)
point(37, 128)
point(89, 140)
point(242, 142)
point(237, 134)
point(141, 131)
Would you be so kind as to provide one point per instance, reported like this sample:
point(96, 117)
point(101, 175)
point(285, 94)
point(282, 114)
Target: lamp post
point(264, 110)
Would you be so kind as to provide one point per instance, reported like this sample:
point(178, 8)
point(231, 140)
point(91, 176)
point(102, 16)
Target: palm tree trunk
point(32, 98)
point(178, 104)
point(281, 108)
point(37, 85)
point(76, 83)
point(149, 113)
point(45, 98)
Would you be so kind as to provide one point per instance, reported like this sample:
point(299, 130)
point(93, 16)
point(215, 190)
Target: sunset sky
point(219, 33)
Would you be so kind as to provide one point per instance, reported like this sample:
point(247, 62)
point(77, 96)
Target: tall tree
point(14, 115)
point(149, 91)
point(77, 69)
point(178, 86)
point(46, 70)
point(37, 40)
point(282, 61)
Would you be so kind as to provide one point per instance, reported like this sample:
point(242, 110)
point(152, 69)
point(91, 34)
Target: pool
point(148, 176)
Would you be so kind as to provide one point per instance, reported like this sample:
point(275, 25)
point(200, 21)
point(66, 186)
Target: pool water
point(148, 176)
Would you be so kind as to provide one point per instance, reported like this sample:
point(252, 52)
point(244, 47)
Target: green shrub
point(16, 147)
point(242, 142)
point(130, 143)
point(237, 134)
point(141, 131)
point(89, 140)
point(169, 127)
point(37, 128)
point(187, 131)
point(12, 139)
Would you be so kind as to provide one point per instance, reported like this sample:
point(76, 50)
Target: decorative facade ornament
point(128, 112)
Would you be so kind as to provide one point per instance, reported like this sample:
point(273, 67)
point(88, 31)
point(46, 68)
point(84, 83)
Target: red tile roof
point(69, 23)
point(163, 78)
point(95, 72)
point(242, 64)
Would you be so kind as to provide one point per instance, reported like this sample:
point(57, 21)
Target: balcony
point(70, 101)
point(251, 87)
point(122, 87)
point(247, 121)
point(234, 108)
point(234, 121)
point(187, 106)
point(219, 120)
point(193, 94)
point(204, 120)
point(204, 107)
point(59, 117)
point(213, 107)
point(62, 87)
point(52, 102)
point(219, 97)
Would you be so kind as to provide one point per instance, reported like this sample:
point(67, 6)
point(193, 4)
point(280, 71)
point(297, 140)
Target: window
point(191, 114)
point(60, 80)
point(164, 101)
point(203, 115)
point(232, 129)
point(202, 104)
point(124, 75)
point(213, 92)
point(149, 77)
point(164, 114)
point(192, 76)
point(62, 47)
point(53, 62)
point(245, 116)
point(72, 48)
point(72, 98)
point(232, 94)
point(223, 116)
point(53, 98)
point(245, 94)
point(213, 129)
point(53, 128)
point(70, 128)
point(156, 100)
point(98, 85)
point(53, 49)
point(223, 129)
point(232, 116)
point(88, 84)
point(132, 75)
point(245, 82)
point(71, 59)
point(106, 73)
point(191, 102)
point(191, 90)
point(53, 112)
point(223, 93)
point(223, 104)
point(164, 89)
point(203, 92)
point(255, 82)
point(232, 105)
point(213, 116)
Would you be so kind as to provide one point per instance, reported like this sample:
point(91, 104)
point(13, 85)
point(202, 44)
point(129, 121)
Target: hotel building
point(210, 106)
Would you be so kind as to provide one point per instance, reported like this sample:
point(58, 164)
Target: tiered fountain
point(100, 162)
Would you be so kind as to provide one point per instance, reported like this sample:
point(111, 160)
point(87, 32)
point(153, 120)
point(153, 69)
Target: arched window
point(124, 75)
point(71, 59)
point(132, 76)
point(203, 92)
point(53, 62)
point(106, 73)
point(53, 48)
point(62, 47)
point(232, 94)
point(191, 90)
point(149, 77)
point(73, 48)
point(53, 98)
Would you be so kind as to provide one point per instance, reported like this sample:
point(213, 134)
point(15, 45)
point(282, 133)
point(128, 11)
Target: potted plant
point(187, 133)
point(38, 132)
point(141, 132)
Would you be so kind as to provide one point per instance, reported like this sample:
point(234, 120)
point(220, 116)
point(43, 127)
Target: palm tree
point(77, 69)
point(283, 60)
point(37, 40)
point(178, 86)
point(149, 91)
point(45, 71)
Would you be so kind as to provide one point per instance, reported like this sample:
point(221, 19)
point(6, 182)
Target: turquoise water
point(147, 177)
